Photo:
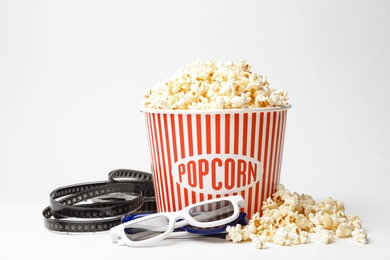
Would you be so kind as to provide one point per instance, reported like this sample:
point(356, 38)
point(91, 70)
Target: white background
point(72, 76)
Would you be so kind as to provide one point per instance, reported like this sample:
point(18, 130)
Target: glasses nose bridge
point(180, 219)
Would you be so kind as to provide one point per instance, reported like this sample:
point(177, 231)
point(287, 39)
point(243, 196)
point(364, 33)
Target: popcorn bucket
point(204, 154)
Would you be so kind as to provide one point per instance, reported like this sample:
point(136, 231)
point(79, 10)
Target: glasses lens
point(241, 219)
point(212, 211)
point(147, 229)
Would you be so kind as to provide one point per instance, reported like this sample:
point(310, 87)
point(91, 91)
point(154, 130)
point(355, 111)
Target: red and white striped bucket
point(203, 154)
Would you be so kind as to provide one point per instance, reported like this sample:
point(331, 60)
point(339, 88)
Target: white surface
point(72, 74)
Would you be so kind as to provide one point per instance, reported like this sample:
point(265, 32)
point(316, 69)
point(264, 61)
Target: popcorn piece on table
point(360, 236)
point(259, 242)
point(324, 235)
point(343, 230)
point(236, 234)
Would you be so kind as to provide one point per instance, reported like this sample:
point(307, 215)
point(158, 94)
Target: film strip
point(99, 206)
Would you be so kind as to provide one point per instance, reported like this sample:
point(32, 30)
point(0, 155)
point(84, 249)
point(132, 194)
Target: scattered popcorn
point(287, 219)
point(214, 85)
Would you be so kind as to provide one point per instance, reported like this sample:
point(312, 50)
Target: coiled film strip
point(99, 206)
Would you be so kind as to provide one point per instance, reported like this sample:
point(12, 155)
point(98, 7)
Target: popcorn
point(325, 236)
point(326, 221)
point(259, 242)
point(281, 237)
point(214, 85)
point(234, 233)
point(355, 222)
point(287, 218)
point(290, 235)
point(360, 236)
point(343, 230)
point(304, 237)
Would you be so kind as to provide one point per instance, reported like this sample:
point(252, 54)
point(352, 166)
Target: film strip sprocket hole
point(99, 206)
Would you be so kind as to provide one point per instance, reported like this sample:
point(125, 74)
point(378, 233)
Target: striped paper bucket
point(203, 154)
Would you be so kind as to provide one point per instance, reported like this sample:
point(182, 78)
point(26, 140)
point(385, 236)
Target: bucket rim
point(213, 111)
